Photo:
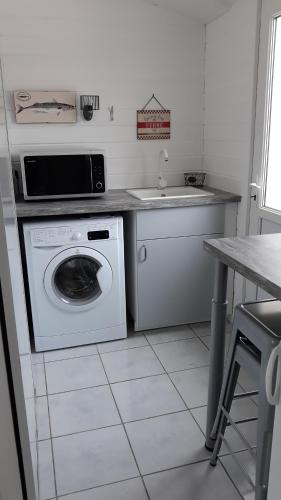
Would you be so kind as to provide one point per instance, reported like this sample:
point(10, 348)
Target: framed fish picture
point(45, 107)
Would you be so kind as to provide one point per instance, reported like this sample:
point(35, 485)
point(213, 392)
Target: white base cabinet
point(169, 275)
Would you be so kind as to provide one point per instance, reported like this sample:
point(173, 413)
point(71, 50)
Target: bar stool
point(255, 346)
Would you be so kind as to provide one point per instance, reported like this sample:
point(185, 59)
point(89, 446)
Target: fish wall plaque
point(45, 107)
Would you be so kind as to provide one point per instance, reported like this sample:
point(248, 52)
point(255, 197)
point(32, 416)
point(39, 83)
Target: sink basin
point(168, 193)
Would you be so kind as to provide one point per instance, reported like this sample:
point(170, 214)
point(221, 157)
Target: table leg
point(219, 308)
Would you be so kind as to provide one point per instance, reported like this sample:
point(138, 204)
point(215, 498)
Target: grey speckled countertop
point(115, 201)
point(257, 258)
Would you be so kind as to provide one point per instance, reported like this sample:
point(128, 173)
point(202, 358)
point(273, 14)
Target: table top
point(116, 201)
point(257, 258)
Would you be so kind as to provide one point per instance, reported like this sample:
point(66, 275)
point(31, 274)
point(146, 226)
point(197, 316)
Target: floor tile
point(27, 376)
point(42, 418)
point(37, 357)
point(94, 458)
point(204, 329)
point(85, 409)
point(147, 397)
point(45, 471)
point(243, 408)
point(249, 429)
point(34, 460)
point(170, 334)
point(236, 475)
point(131, 364)
point(132, 341)
point(192, 385)
point(207, 342)
point(73, 352)
point(182, 354)
point(39, 379)
point(31, 419)
point(76, 373)
point(246, 381)
point(132, 489)
point(163, 442)
point(192, 482)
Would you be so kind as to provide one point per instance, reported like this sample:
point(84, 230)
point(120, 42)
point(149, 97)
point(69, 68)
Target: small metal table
point(257, 258)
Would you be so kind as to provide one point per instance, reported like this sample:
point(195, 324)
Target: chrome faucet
point(163, 158)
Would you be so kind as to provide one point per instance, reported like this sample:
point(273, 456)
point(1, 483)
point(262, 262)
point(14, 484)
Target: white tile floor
point(125, 420)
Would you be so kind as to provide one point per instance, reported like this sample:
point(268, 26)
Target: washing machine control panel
point(80, 233)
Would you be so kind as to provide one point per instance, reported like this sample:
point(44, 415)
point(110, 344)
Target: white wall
point(230, 100)
point(124, 51)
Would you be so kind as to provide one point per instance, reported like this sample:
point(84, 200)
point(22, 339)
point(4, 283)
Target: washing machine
point(76, 281)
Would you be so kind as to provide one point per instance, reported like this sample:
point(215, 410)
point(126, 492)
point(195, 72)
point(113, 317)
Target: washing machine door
point(78, 279)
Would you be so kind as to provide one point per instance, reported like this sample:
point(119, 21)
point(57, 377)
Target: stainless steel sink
point(168, 193)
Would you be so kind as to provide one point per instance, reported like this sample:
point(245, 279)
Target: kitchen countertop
point(115, 201)
point(257, 258)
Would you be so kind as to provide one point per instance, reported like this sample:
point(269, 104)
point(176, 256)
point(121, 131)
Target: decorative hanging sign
point(153, 124)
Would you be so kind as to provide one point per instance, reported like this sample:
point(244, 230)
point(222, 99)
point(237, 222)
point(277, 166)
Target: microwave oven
point(63, 175)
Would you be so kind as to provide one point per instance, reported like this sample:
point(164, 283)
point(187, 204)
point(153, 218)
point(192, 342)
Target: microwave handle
point(92, 177)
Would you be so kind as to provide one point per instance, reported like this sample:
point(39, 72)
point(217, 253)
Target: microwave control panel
point(98, 173)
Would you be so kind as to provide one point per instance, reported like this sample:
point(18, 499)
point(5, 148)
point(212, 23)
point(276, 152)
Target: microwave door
point(58, 176)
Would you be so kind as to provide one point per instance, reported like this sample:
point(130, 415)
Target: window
point(272, 185)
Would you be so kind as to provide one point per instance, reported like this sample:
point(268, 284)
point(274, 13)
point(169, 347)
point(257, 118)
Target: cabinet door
point(174, 282)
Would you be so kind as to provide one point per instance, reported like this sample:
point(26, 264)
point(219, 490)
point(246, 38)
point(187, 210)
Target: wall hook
point(111, 113)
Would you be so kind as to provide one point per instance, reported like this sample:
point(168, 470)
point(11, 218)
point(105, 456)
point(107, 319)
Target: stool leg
point(226, 378)
point(264, 439)
point(219, 307)
point(226, 404)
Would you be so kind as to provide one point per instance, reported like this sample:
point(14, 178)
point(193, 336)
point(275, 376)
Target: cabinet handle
point(143, 250)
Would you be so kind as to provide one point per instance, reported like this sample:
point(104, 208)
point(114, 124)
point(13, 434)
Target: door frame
point(11, 471)
point(14, 374)
point(15, 429)
point(256, 213)
point(261, 125)
point(264, 67)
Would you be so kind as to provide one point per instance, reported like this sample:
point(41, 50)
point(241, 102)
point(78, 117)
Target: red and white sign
point(153, 124)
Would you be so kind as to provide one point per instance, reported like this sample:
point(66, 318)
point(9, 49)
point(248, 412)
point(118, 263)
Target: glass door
point(265, 215)
point(265, 212)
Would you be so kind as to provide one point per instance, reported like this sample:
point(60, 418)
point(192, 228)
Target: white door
point(16, 472)
point(265, 213)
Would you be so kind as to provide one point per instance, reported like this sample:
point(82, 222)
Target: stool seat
point(267, 313)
